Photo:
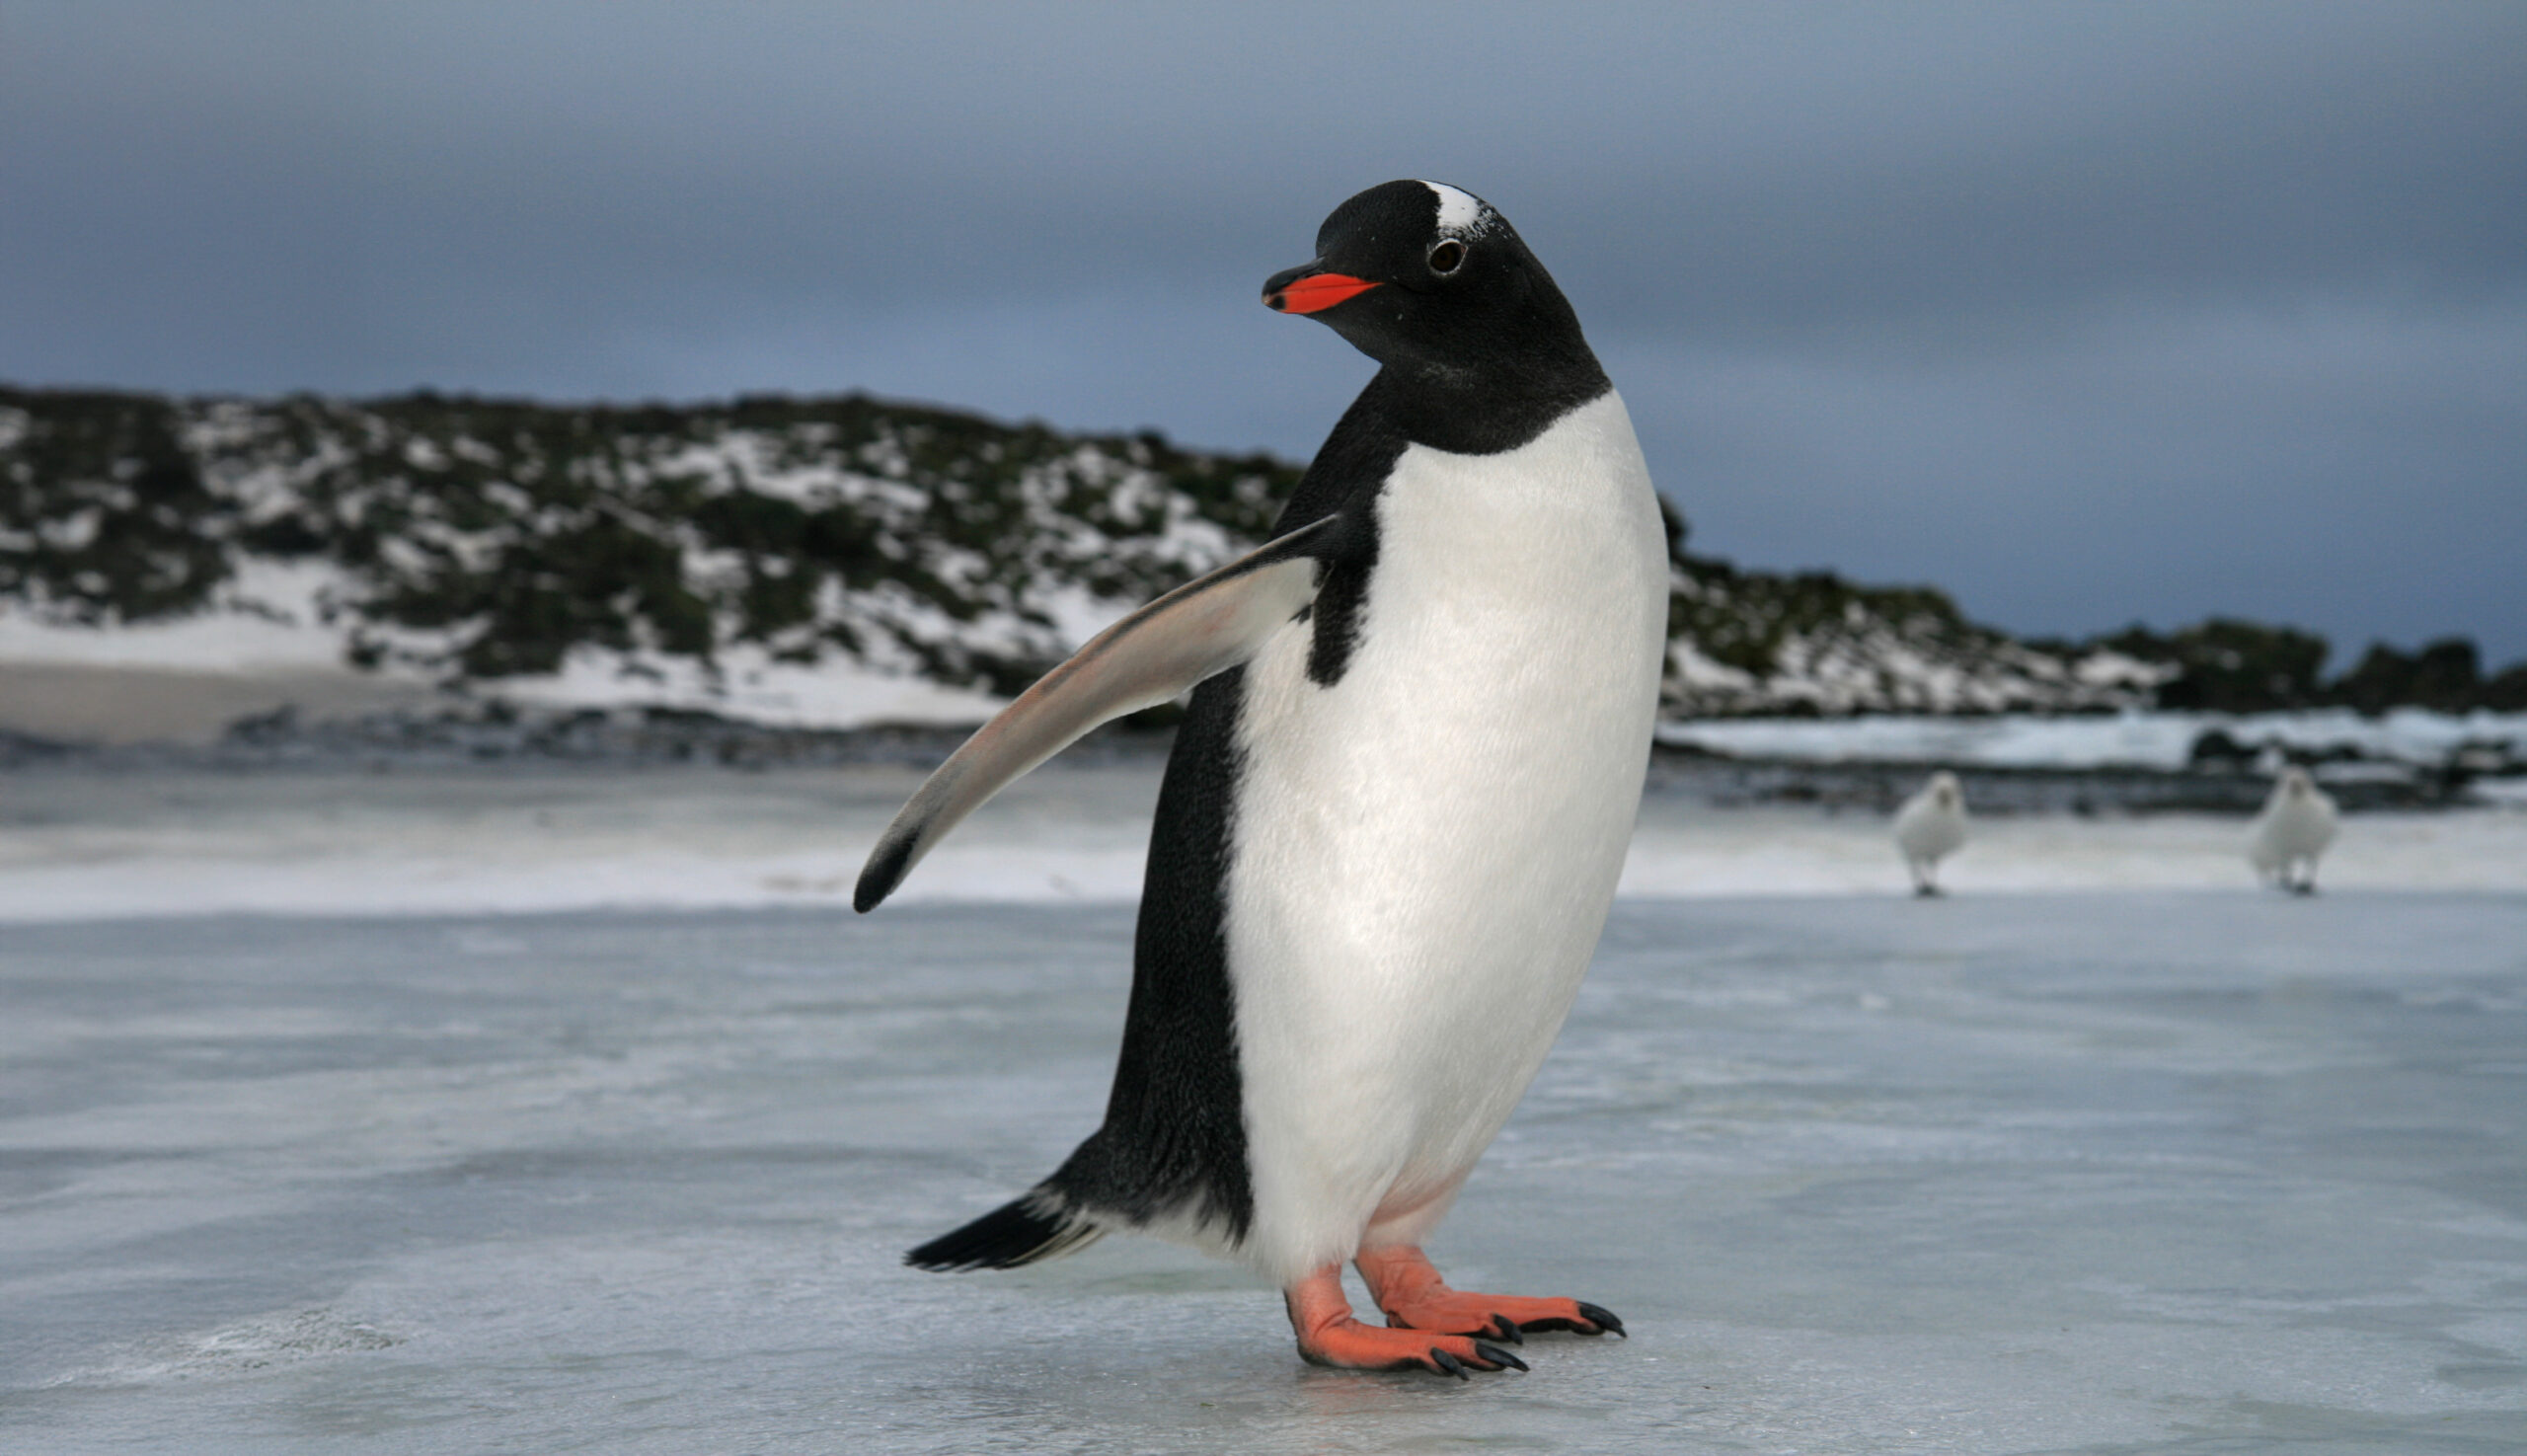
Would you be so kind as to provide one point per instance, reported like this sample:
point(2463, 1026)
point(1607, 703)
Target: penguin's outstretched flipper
point(1200, 629)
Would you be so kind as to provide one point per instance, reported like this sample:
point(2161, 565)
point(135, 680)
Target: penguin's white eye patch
point(1447, 256)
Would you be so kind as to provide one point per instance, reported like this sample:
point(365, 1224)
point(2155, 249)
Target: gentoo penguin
point(1930, 827)
point(1395, 811)
point(2296, 825)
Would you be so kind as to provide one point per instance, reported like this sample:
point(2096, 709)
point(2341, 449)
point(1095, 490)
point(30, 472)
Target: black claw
point(1504, 1328)
point(1498, 1356)
point(1603, 1318)
point(1448, 1363)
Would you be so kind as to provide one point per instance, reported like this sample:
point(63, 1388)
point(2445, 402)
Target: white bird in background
point(1930, 827)
point(2296, 825)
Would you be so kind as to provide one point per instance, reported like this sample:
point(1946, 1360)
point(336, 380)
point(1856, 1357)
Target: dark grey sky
point(2086, 313)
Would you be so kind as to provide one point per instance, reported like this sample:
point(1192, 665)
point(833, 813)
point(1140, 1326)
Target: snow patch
point(751, 684)
point(270, 616)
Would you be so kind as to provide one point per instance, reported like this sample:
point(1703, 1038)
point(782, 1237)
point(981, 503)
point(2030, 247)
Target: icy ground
point(93, 844)
point(2106, 1172)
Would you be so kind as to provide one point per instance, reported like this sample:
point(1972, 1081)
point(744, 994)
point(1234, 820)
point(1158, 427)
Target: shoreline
point(295, 719)
point(79, 845)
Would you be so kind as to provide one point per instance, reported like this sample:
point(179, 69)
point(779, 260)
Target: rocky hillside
point(1753, 642)
point(490, 543)
point(485, 540)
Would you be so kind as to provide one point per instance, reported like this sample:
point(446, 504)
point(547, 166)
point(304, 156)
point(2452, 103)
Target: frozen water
point(2113, 1173)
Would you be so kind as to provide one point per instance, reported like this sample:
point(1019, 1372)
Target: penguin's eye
point(1447, 258)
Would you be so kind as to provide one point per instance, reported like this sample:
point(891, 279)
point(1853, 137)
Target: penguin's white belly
point(1423, 853)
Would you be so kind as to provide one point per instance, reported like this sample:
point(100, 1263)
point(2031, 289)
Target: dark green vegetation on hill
point(490, 538)
point(483, 539)
point(2225, 665)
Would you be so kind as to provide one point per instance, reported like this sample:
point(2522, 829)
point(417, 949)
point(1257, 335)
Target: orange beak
point(1314, 293)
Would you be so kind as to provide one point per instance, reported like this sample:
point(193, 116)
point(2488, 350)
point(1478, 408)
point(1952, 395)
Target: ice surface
point(2125, 1173)
point(87, 844)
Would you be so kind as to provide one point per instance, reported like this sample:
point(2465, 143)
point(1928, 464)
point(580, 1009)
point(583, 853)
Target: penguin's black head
point(1429, 278)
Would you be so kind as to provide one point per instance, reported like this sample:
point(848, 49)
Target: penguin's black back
point(1174, 1131)
point(1173, 1140)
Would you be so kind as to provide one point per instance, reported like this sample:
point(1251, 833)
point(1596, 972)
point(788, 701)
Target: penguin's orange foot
point(1329, 1334)
point(1500, 1316)
point(1405, 1285)
point(1352, 1345)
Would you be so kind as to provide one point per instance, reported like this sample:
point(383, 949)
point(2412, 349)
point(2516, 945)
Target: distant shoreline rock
point(1855, 765)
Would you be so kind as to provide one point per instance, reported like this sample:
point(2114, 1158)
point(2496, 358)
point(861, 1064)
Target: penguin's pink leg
point(1329, 1334)
point(1415, 1297)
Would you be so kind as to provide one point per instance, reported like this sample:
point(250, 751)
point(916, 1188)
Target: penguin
point(1929, 827)
point(1393, 813)
point(2298, 821)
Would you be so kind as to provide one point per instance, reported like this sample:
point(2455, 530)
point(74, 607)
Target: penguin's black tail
point(1040, 1225)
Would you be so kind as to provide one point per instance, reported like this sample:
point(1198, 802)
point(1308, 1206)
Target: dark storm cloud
point(2088, 312)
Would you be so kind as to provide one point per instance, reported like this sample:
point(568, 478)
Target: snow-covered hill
point(818, 562)
point(777, 559)
point(1746, 643)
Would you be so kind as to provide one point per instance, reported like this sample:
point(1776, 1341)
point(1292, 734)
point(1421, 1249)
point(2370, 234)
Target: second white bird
point(2297, 823)
point(1930, 827)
